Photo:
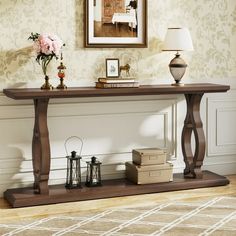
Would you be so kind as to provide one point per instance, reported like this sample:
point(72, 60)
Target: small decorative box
point(149, 174)
point(149, 156)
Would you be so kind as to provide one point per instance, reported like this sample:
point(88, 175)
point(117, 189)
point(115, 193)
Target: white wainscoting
point(221, 131)
point(221, 126)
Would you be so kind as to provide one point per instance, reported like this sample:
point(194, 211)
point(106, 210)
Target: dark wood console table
point(193, 176)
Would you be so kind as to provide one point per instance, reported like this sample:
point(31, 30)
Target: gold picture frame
point(115, 24)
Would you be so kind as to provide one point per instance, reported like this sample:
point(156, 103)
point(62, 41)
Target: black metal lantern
point(93, 177)
point(73, 176)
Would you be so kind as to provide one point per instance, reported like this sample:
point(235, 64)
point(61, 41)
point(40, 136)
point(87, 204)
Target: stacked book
point(117, 83)
point(149, 166)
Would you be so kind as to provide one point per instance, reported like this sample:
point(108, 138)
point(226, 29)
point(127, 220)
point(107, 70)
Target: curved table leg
point(193, 124)
point(41, 147)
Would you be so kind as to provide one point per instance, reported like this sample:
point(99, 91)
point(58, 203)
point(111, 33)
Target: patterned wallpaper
point(212, 24)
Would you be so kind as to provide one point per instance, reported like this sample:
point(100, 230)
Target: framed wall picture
point(116, 23)
point(112, 68)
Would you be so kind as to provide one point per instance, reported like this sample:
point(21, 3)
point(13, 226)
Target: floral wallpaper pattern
point(212, 24)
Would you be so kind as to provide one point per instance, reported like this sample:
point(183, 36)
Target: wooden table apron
point(192, 125)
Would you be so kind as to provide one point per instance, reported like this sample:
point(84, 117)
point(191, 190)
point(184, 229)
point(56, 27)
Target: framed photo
point(115, 23)
point(112, 68)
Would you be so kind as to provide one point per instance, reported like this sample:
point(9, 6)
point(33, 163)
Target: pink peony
point(56, 44)
point(48, 44)
point(45, 44)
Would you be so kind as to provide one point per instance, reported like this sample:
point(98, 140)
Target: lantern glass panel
point(93, 177)
point(95, 174)
point(73, 172)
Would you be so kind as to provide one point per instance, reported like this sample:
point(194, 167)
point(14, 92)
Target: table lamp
point(178, 39)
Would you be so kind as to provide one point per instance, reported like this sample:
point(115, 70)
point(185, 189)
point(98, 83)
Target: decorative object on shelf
point(123, 84)
point(47, 46)
point(93, 177)
point(178, 39)
point(149, 156)
point(117, 83)
point(112, 68)
point(73, 176)
point(61, 74)
point(117, 80)
point(126, 68)
point(149, 174)
point(113, 77)
point(149, 166)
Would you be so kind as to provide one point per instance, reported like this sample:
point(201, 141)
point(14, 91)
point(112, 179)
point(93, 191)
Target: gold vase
point(47, 85)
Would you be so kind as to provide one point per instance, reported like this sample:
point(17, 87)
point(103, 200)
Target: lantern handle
point(65, 144)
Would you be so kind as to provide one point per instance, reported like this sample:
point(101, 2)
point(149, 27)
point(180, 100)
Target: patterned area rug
point(204, 216)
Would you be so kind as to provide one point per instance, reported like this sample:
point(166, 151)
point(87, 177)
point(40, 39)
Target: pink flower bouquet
point(46, 46)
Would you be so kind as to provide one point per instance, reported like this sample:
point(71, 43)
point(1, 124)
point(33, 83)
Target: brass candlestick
point(61, 75)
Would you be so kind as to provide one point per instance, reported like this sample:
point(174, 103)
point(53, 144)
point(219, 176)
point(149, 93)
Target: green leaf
point(34, 36)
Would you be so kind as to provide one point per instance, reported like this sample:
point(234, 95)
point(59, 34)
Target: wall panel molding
point(221, 135)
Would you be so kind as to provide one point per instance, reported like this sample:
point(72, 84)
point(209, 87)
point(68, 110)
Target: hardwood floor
point(110, 30)
point(7, 214)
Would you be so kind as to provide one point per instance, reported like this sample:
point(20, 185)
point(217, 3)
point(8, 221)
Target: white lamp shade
point(178, 39)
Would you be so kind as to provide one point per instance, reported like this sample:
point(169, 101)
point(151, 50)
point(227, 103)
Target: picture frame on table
point(115, 24)
point(112, 68)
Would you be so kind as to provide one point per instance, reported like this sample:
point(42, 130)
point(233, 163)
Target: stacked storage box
point(149, 166)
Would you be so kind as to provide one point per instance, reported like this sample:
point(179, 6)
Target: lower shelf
point(22, 197)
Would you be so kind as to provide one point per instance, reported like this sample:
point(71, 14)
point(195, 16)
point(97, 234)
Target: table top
point(37, 93)
point(125, 17)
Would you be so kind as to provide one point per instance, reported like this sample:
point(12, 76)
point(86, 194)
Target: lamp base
point(177, 84)
point(177, 69)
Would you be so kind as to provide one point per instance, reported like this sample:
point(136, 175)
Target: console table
point(193, 176)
